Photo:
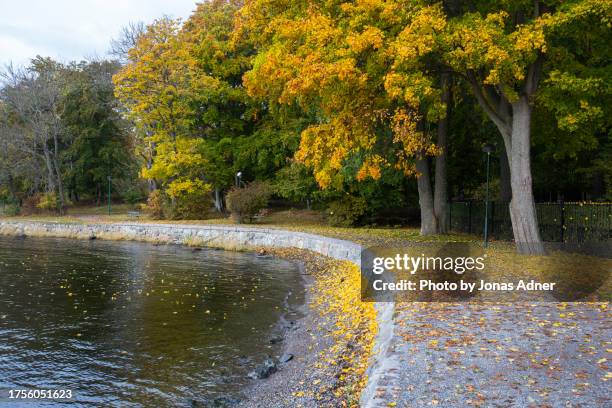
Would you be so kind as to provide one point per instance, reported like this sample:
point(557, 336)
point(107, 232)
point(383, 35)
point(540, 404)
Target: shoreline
point(276, 390)
point(327, 369)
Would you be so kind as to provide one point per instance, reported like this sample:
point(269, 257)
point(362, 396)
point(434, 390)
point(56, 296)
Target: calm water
point(132, 324)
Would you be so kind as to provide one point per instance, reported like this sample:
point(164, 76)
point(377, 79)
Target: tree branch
point(491, 111)
point(533, 76)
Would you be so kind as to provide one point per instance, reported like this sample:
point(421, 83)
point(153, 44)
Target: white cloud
point(73, 29)
point(19, 51)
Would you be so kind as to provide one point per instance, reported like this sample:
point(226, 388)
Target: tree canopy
point(383, 102)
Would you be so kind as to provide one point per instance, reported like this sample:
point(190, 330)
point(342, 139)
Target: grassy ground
point(298, 220)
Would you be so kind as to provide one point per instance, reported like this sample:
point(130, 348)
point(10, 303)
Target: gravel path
point(504, 355)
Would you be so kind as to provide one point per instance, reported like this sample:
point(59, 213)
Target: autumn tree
point(336, 61)
point(503, 54)
point(501, 50)
point(126, 40)
point(21, 170)
point(183, 88)
point(157, 87)
point(223, 116)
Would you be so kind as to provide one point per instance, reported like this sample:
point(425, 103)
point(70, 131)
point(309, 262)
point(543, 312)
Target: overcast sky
point(73, 29)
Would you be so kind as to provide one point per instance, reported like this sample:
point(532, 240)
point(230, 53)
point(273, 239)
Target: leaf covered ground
point(500, 355)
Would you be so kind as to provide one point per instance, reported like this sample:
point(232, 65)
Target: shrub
point(10, 207)
point(480, 192)
point(347, 211)
point(245, 203)
point(155, 205)
point(296, 183)
point(48, 201)
point(133, 195)
point(193, 207)
point(30, 205)
point(189, 198)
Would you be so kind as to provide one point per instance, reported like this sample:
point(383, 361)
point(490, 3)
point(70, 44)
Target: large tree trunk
point(522, 207)
point(151, 183)
point(218, 200)
point(98, 194)
point(50, 171)
point(428, 219)
point(11, 186)
point(60, 187)
point(58, 172)
point(441, 182)
point(505, 189)
point(514, 123)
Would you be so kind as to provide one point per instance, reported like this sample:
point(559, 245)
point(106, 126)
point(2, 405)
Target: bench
point(134, 214)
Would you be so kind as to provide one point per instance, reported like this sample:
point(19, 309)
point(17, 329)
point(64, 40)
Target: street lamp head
point(488, 148)
point(239, 174)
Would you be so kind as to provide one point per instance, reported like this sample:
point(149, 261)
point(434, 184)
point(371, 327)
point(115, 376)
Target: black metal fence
point(559, 222)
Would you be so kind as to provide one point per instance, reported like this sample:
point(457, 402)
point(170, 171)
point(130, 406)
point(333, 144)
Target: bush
point(480, 192)
point(195, 206)
point(41, 203)
point(10, 207)
point(188, 198)
point(347, 212)
point(245, 203)
point(155, 205)
point(30, 205)
point(133, 195)
point(188, 208)
point(48, 201)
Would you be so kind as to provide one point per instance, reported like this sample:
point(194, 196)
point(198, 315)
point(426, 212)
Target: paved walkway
point(512, 355)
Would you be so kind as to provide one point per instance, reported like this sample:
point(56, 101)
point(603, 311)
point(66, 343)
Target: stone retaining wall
point(219, 236)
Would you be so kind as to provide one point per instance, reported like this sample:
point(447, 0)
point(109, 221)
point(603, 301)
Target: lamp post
point(488, 149)
point(109, 194)
point(238, 177)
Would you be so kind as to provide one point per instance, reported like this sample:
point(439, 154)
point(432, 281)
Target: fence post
point(470, 217)
point(562, 220)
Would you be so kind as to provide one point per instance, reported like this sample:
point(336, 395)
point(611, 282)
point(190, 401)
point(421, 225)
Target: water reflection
point(132, 323)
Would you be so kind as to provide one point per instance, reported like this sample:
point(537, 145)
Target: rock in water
point(219, 402)
point(225, 402)
point(285, 358)
point(264, 371)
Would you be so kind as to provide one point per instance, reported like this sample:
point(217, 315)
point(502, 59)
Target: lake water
point(133, 324)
